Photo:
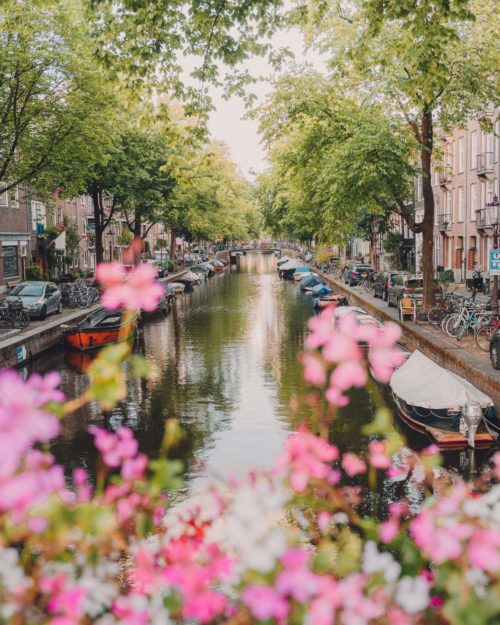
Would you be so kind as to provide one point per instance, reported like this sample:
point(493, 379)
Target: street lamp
point(493, 221)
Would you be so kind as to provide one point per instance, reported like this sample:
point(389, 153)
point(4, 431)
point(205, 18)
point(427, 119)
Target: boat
point(329, 300)
point(286, 270)
point(300, 272)
point(321, 289)
point(100, 328)
point(218, 266)
point(163, 307)
point(177, 287)
point(445, 406)
point(282, 261)
point(309, 281)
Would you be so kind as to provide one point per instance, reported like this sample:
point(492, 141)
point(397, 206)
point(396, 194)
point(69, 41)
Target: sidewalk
point(462, 357)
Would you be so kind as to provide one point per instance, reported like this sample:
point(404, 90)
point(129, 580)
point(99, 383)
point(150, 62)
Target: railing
point(483, 219)
point(444, 222)
point(445, 176)
point(484, 163)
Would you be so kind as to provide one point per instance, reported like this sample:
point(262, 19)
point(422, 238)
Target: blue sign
point(494, 262)
point(21, 353)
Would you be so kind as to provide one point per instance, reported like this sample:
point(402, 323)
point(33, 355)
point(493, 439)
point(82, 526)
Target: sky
point(227, 121)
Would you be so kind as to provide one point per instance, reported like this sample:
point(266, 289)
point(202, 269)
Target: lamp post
point(493, 220)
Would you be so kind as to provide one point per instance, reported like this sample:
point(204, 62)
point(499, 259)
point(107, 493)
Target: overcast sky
point(241, 135)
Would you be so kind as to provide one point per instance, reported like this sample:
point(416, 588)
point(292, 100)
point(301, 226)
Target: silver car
point(40, 298)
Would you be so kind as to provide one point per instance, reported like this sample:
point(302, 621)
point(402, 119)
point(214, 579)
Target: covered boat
point(282, 261)
point(100, 328)
point(321, 289)
point(442, 404)
point(286, 270)
point(307, 283)
point(329, 300)
point(178, 287)
point(300, 272)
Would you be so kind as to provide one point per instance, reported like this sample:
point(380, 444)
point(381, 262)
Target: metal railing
point(484, 163)
point(444, 222)
point(445, 176)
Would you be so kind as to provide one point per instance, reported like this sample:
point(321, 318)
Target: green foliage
point(54, 98)
point(392, 246)
point(33, 272)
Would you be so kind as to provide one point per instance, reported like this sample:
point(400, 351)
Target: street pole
point(493, 208)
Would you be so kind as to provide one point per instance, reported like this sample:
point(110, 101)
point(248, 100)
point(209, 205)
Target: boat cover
point(292, 264)
point(310, 280)
point(189, 276)
point(282, 260)
point(303, 269)
point(321, 289)
point(421, 382)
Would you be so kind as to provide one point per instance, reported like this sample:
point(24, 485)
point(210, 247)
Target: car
point(495, 351)
point(158, 265)
point(40, 298)
point(383, 282)
point(355, 272)
point(406, 285)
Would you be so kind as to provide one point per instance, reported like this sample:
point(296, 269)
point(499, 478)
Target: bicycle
point(485, 334)
point(14, 314)
point(446, 306)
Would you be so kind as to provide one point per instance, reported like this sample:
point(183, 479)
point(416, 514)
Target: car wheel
point(494, 356)
point(43, 313)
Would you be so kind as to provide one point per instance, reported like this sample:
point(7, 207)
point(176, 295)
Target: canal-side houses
point(14, 236)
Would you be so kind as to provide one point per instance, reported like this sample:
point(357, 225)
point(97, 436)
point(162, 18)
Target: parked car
point(495, 351)
point(40, 298)
point(406, 285)
point(383, 282)
point(158, 265)
point(355, 272)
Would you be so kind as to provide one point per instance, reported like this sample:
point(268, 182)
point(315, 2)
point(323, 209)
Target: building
point(14, 237)
point(465, 183)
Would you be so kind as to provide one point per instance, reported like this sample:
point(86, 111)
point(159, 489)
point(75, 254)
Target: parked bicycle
point(14, 314)
point(486, 332)
point(78, 294)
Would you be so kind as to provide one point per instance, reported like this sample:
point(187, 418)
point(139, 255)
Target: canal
point(227, 356)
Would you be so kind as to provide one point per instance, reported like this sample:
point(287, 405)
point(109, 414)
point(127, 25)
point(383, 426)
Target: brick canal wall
point(29, 344)
point(446, 353)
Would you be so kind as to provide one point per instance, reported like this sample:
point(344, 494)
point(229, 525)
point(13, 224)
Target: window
point(14, 197)
point(4, 199)
point(473, 201)
point(38, 214)
point(461, 155)
point(460, 202)
point(84, 226)
point(449, 199)
point(490, 191)
point(473, 150)
point(83, 201)
point(10, 262)
point(59, 215)
point(489, 143)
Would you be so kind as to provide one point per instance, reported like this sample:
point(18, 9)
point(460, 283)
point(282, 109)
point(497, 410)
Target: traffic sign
point(494, 262)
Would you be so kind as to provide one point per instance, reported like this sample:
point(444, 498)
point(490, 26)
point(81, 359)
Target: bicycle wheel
point(483, 336)
point(435, 315)
point(452, 326)
point(82, 300)
point(19, 319)
point(462, 330)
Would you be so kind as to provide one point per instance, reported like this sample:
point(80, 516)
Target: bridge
point(232, 253)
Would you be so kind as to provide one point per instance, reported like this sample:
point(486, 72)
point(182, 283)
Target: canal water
point(228, 361)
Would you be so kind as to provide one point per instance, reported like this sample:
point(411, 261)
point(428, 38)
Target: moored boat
point(329, 300)
point(100, 328)
point(448, 408)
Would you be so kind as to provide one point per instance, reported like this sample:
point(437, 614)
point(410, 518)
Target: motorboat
point(300, 272)
point(329, 300)
point(286, 270)
point(100, 328)
point(308, 282)
point(282, 261)
point(321, 289)
point(448, 408)
point(178, 287)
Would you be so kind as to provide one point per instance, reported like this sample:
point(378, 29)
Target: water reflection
point(227, 356)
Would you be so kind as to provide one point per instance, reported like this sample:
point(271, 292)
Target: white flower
point(412, 594)
point(478, 580)
point(375, 561)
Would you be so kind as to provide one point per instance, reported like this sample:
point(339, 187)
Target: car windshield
point(29, 290)
point(414, 284)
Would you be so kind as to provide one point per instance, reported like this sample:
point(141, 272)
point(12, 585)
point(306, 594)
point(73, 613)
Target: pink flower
point(378, 455)
point(327, 602)
point(204, 605)
point(264, 602)
point(115, 447)
point(340, 347)
point(352, 464)
point(134, 468)
point(296, 579)
point(383, 361)
point(348, 374)
point(388, 530)
point(314, 371)
point(321, 327)
point(306, 457)
point(335, 397)
point(134, 290)
point(484, 550)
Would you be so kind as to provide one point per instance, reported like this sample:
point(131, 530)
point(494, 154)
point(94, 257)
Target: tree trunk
point(428, 221)
point(99, 250)
point(173, 237)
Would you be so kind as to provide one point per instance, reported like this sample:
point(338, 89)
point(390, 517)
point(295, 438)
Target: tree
point(53, 96)
point(430, 64)
point(334, 162)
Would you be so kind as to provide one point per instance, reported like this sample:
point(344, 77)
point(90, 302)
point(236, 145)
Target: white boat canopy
point(421, 382)
point(292, 264)
point(189, 276)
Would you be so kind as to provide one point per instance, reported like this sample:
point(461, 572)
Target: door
point(51, 298)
